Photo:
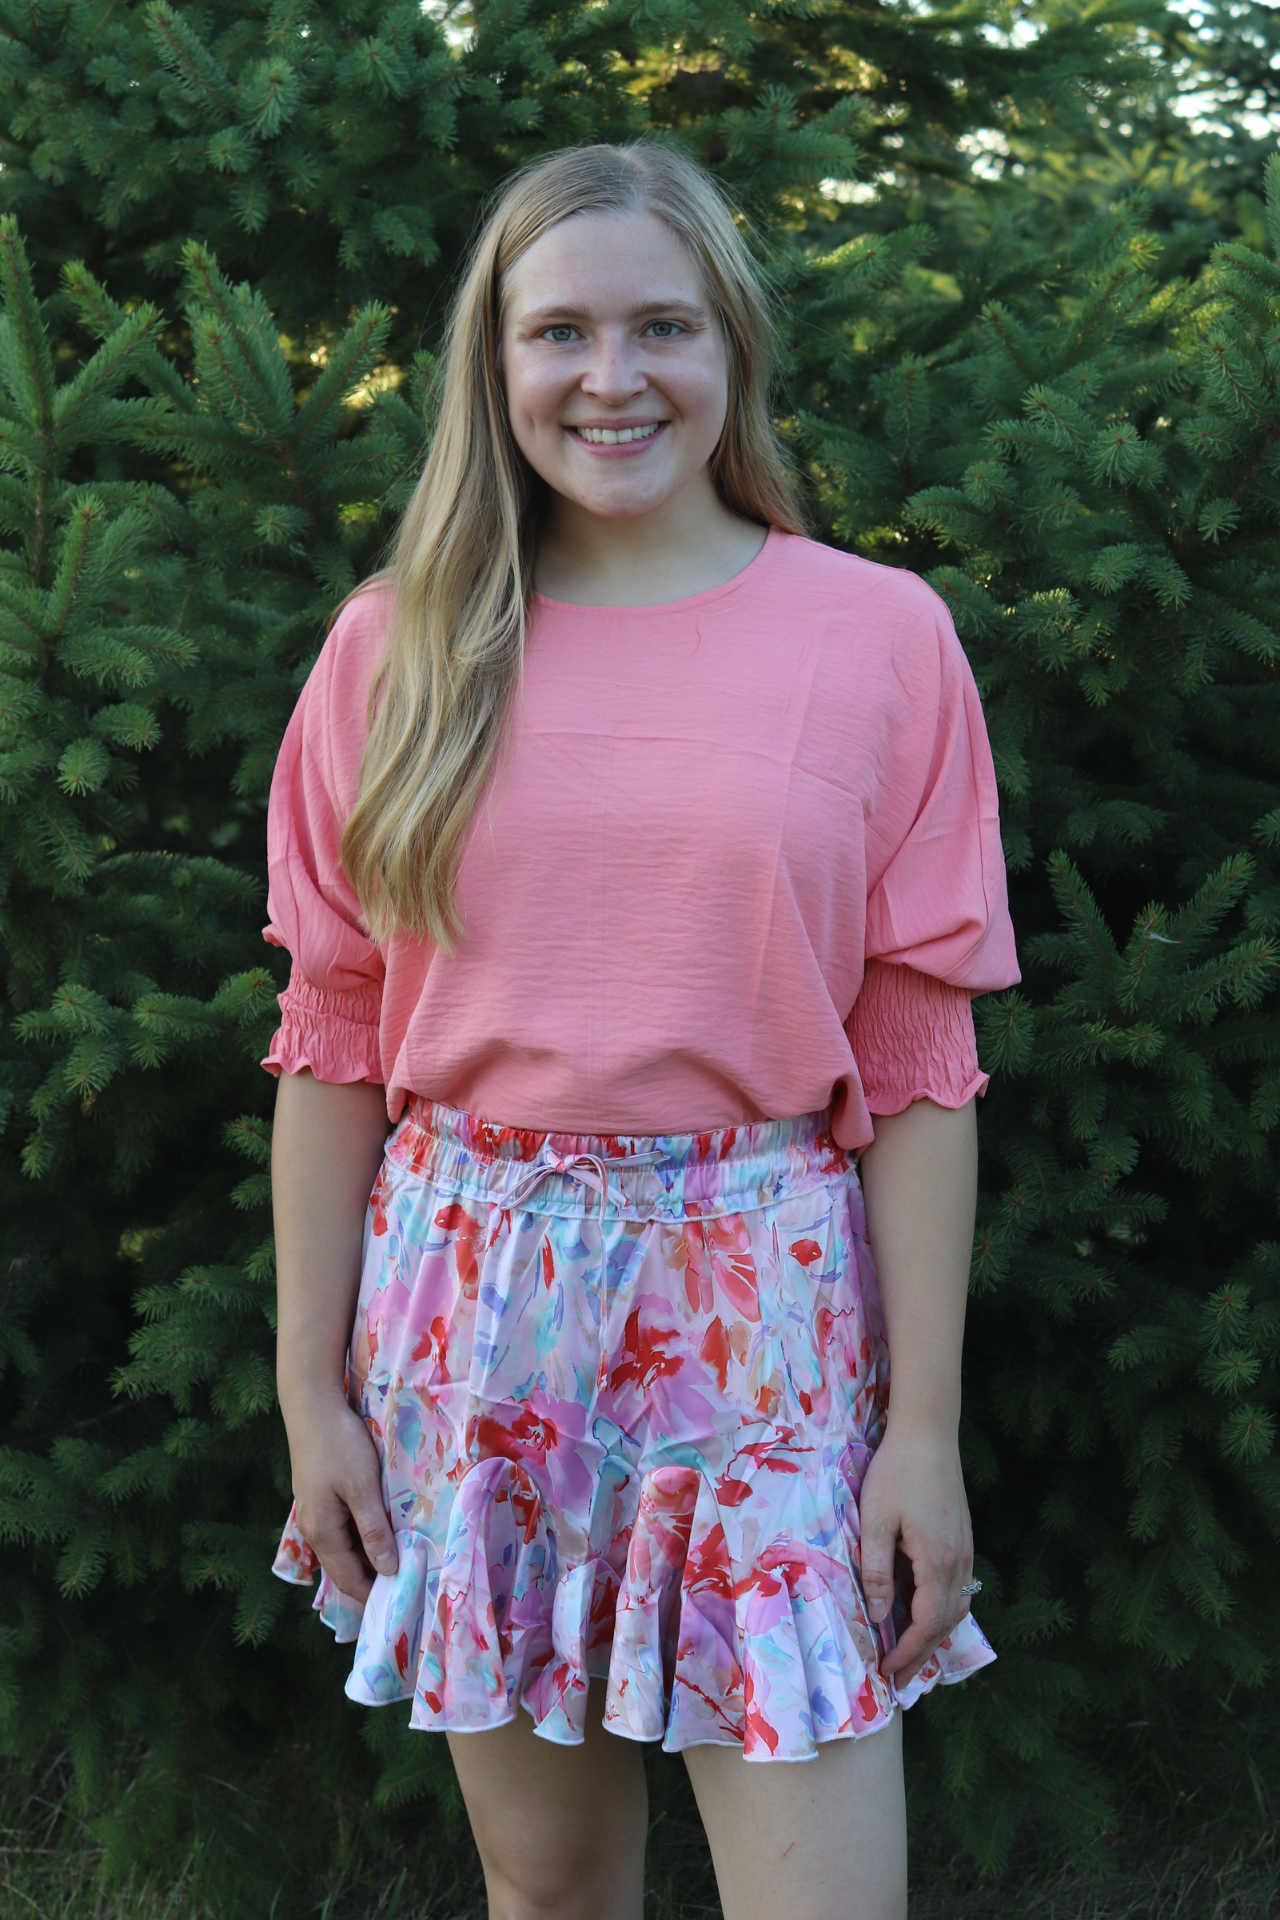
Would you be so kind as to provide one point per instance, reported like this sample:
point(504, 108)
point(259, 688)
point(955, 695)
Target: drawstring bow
point(589, 1169)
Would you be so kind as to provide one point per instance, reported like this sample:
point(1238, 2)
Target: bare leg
point(560, 1830)
point(822, 1839)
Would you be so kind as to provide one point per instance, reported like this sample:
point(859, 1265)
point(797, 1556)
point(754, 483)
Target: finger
point(361, 1487)
point(373, 1526)
point(904, 1661)
point(334, 1548)
point(336, 1536)
point(935, 1609)
point(879, 1543)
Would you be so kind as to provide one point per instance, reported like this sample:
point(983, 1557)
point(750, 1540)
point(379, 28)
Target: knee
point(541, 1889)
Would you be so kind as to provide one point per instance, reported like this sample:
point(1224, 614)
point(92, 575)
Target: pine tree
point(322, 150)
point(1088, 471)
point(139, 1026)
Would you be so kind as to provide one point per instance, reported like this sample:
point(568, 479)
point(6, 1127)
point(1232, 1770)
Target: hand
point(913, 1502)
point(337, 1488)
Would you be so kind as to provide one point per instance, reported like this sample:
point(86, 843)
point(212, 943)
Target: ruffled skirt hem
point(776, 1657)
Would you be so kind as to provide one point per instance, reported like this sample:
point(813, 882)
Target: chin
point(623, 503)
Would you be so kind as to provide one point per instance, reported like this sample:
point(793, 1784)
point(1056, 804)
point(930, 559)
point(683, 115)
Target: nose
point(615, 372)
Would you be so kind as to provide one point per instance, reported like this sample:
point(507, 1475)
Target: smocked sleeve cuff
point(335, 1034)
point(912, 1037)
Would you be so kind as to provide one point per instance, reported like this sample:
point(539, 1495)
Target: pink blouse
point(740, 860)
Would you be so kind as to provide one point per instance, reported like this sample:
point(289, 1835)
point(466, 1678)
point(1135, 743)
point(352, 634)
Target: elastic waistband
point(671, 1176)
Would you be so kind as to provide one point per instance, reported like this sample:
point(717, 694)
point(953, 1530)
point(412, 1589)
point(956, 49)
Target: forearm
point(920, 1181)
point(326, 1148)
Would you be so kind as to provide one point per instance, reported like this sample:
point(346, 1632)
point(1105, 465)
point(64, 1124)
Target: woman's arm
point(920, 1179)
point(325, 1152)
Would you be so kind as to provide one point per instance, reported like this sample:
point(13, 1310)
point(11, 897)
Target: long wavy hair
point(462, 565)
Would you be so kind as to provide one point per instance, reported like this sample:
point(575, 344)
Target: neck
point(684, 546)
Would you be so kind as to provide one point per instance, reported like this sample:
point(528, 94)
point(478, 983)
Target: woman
point(633, 851)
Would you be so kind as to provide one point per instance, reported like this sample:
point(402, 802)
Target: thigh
point(822, 1839)
point(560, 1830)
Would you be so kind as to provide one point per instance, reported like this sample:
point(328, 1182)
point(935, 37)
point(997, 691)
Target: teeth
point(613, 437)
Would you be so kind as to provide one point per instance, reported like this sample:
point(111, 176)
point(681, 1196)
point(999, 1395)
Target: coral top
point(740, 861)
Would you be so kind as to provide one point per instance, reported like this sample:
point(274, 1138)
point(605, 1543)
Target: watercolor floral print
point(624, 1392)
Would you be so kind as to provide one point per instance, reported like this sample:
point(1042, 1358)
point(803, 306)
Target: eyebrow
point(553, 311)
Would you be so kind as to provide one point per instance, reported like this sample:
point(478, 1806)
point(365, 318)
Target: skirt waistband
point(676, 1176)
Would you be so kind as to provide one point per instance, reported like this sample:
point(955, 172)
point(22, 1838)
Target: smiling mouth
point(617, 436)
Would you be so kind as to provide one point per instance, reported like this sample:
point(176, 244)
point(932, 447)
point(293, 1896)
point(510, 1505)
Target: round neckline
point(731, 585)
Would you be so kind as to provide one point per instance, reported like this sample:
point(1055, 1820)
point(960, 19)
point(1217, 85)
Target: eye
point(560, 335)
point(665, 329)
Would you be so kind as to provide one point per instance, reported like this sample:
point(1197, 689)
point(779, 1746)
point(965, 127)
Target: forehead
point(603, 263)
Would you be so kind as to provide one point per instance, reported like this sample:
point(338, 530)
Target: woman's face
point(614, 362)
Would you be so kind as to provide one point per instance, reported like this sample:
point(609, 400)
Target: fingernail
point(385, 1563)
point(877, 1611)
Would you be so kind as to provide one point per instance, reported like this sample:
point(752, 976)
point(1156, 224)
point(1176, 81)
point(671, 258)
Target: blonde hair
point(462, 566)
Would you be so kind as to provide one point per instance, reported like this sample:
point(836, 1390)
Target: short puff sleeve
point(331, 1008)
point(938, 930)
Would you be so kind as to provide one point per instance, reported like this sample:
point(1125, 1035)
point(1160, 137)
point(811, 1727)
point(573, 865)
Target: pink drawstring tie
point(589, 1169)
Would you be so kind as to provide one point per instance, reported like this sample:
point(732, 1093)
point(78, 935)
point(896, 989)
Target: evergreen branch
point(188, 59)
point(75, 558)
point(1227, 548)
point(1216, 349)
point(354, 354)
point(97, 311)
point(1077, 904)
point(27, 608)
point(23, 314)
point(111, 365)
point(1256, 465)
point(1101, 302)
point(1000, 323)
point(34, 365)
point(238, 346)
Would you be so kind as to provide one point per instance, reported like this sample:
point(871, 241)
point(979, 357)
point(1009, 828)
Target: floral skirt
point(624, 1392)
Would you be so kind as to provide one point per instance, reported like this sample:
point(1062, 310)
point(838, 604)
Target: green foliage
point(322, 148)
point(1070, 425)
point(141, 1009)
point(1085, 461)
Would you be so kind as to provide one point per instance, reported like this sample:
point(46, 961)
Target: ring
point(972, 1586)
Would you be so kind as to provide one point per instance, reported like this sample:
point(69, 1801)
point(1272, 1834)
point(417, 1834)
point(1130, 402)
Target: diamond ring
point(972, 1586)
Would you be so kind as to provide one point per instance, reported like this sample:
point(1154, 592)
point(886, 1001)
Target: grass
point(1165, 1869)
point(1209, 1873)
